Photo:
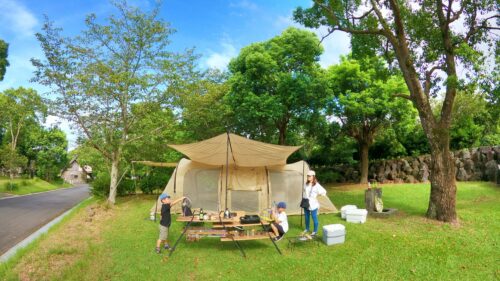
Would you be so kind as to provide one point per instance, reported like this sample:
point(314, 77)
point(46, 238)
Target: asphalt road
point(23, 215)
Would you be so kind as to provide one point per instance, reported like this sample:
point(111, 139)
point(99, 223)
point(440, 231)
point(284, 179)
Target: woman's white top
point(283, 221)
point(311, 192)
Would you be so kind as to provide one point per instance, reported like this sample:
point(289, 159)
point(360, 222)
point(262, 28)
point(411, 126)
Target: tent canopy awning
point(236, 150)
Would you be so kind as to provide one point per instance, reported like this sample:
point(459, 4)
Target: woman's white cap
point(311, 173)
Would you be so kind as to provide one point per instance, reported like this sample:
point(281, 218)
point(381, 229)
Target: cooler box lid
point(356, 212)
point(333, 230)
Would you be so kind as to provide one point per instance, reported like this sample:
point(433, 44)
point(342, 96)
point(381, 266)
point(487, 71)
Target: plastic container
point(334, 234)
point(345, 208)
point(356, 216)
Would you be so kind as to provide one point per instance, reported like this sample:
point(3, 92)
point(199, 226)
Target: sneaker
point(313, 234)
point(304, 232)
point(278, 238)
point(166, 247)
point(158, 250)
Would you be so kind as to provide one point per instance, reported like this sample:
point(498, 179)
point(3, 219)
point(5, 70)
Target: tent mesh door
point(243, 200)
point(287, 186)
point(201, 186)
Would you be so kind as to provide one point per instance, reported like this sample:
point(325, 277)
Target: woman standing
point(311, 191)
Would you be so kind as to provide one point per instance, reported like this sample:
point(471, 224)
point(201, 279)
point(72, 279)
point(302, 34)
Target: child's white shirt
point(282, 217)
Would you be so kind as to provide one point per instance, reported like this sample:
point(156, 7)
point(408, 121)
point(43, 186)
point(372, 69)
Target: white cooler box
point(333, 234)
point(345, 208)
point(356, 216)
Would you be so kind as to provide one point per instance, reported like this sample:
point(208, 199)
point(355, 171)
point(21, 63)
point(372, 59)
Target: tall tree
point(364, 102)
point(20, 107)
point(204, 111)
point(275, 84)
point(4, 52)
point(428, 45)
point(45, 149)
point(97, 78)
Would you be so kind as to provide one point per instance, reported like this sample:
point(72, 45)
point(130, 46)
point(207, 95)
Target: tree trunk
point(363, 164)
point(113, 186)
point(282, 135)
point(443, 186)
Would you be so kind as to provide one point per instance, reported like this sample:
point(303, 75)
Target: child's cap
point(282, 205)
point(163, 196)
point(311, 173)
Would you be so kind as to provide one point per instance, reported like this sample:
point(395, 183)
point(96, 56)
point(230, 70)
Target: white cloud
point(244, 4)
point(17, 18)
point(221, 59)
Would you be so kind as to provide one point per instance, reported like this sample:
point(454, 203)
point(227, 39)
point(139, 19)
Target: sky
point(217, 30)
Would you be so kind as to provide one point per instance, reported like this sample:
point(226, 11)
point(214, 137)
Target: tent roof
point(239, 150)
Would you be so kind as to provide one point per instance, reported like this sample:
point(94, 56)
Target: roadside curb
point(28, 240)
point(34, 193)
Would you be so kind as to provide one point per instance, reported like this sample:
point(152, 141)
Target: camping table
point(221, 228)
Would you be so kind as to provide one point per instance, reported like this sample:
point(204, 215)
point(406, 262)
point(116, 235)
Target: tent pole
point(302, 189)
point(227, 164)
point(268, 190)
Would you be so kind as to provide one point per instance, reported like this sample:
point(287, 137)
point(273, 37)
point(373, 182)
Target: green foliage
point(45, 148)
point(11, 159)
point(4, 51)
point(100, 186)
point(327, 176)
point(276, 85)
point(100, 76)
point(363, 99)
point(20, 107)
point(10, 186)
point(154, 180)
point(204, 111)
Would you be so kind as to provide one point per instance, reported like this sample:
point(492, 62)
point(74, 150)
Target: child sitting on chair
point(280, 224)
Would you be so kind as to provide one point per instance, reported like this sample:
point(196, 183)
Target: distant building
point(75, 174)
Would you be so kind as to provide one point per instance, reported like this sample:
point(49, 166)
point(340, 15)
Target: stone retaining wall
point(474, 164)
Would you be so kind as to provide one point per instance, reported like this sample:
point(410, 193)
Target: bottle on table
point(201, 214)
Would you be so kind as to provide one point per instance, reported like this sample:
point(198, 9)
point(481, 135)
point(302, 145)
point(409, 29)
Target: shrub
point(24, 183)
point(327, 176)
point(100, 186)
point(10, 186)
point(155, 180)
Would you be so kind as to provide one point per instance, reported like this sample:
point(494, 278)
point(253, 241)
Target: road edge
point(34, 193)
point(44, 229)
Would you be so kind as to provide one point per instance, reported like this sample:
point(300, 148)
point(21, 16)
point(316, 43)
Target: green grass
point(27, 186)
point(403, 247)
point(7, 268)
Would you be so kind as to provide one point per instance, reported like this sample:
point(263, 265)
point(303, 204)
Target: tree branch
point(402, 96)
point(330, 14)
point(428, 75)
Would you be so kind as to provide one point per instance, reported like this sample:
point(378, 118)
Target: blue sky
point(217, 29)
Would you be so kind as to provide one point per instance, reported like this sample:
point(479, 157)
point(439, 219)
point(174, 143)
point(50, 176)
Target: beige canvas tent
point(240, 174)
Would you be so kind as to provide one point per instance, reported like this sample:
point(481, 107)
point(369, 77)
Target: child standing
point(165, 221)
point(280, 223)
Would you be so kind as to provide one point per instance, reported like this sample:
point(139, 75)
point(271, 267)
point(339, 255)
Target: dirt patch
point(66, 245)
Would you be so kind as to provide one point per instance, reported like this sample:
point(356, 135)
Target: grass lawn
point(118, 244)
point(26, 186)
